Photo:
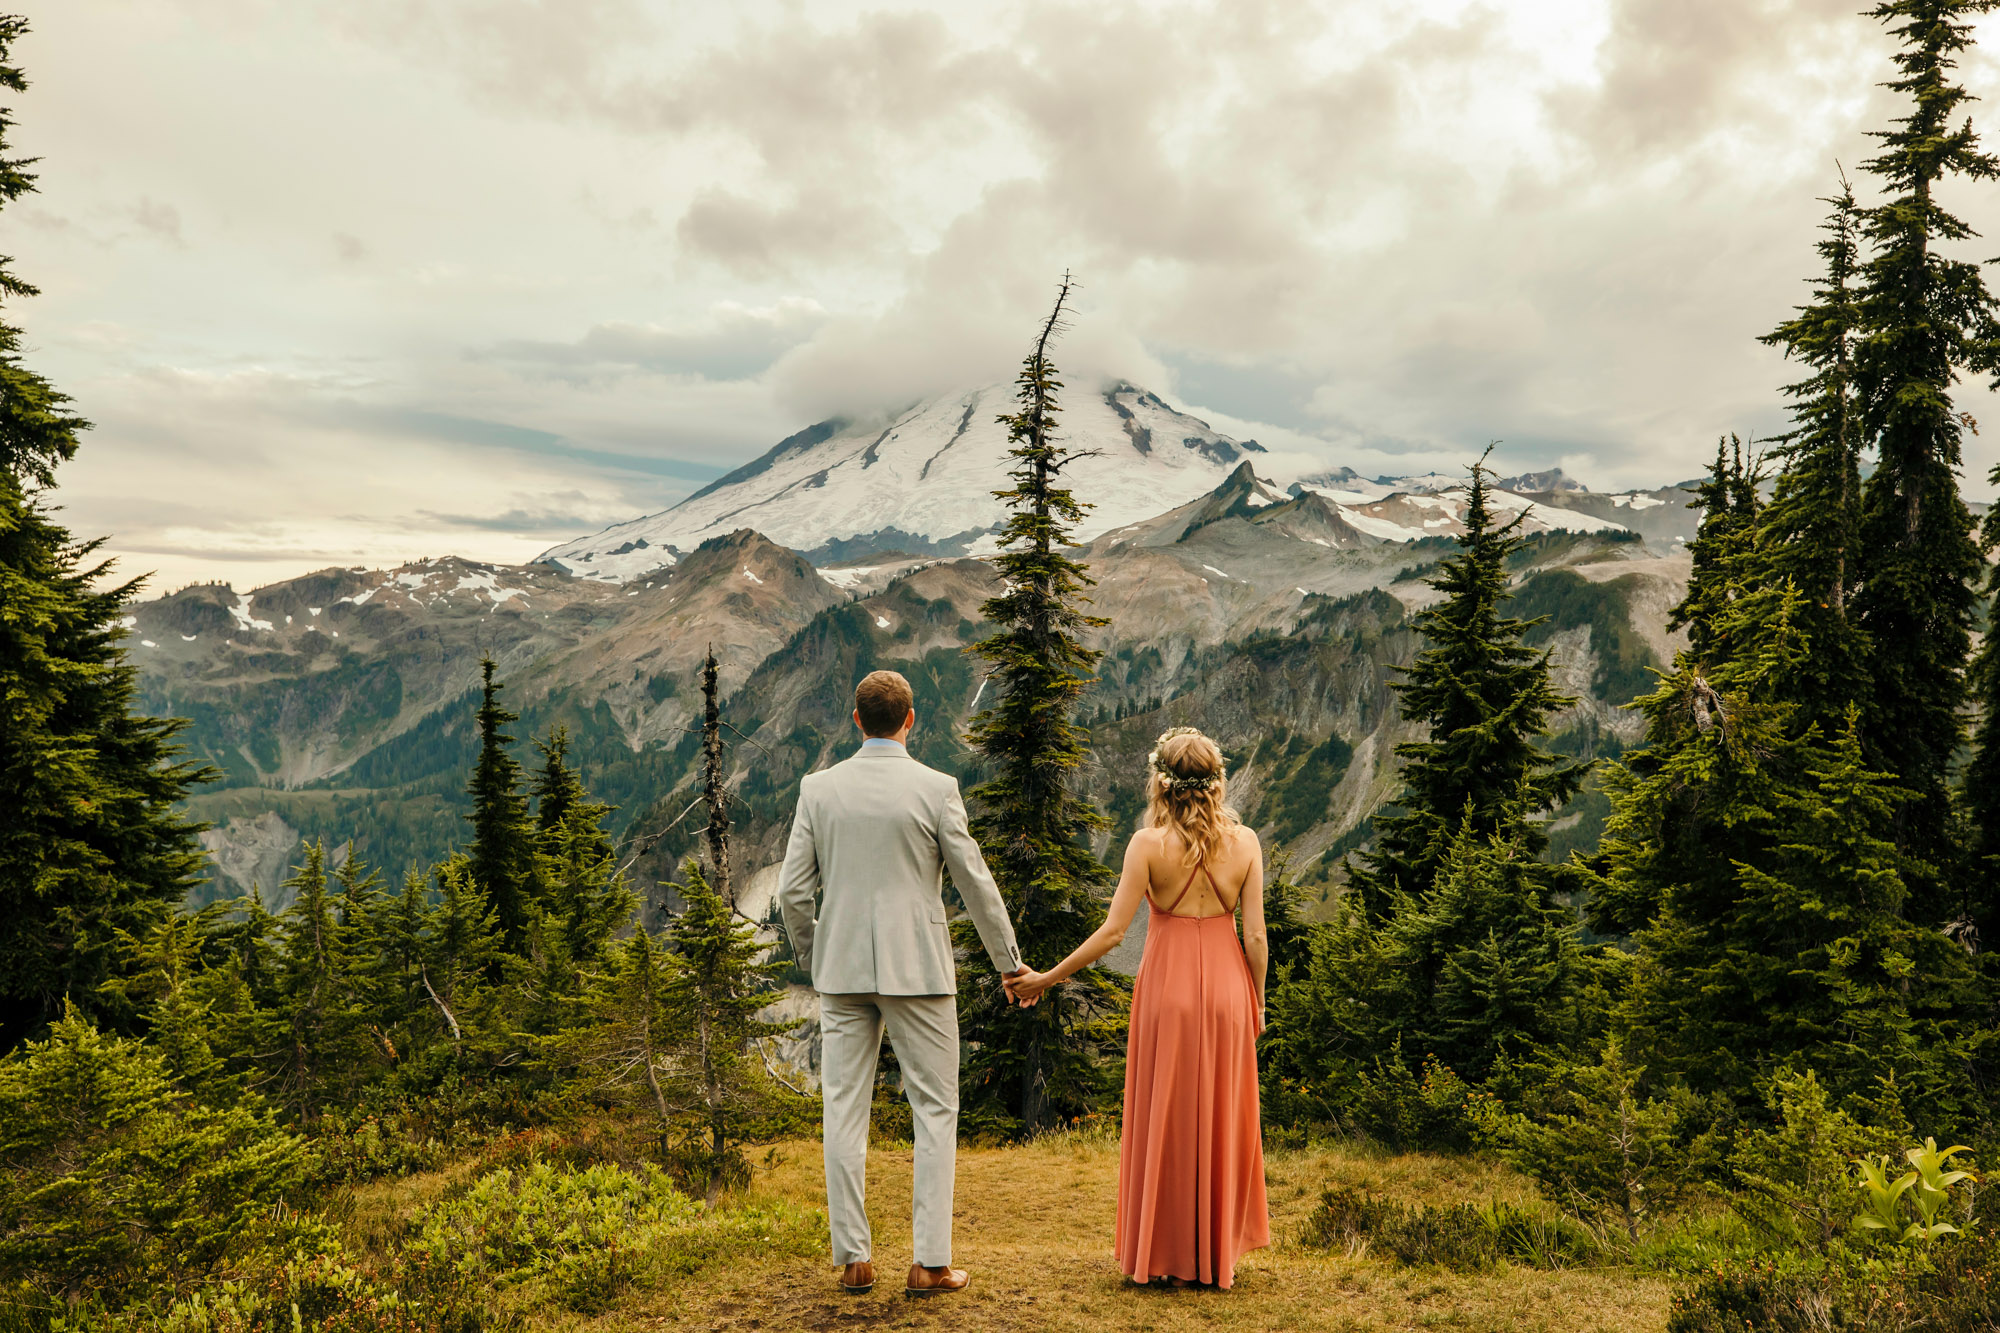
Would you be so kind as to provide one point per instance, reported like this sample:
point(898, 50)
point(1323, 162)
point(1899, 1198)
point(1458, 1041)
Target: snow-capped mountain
point(923, 481)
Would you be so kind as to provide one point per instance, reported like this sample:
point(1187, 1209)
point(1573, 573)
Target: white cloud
point(404, 259)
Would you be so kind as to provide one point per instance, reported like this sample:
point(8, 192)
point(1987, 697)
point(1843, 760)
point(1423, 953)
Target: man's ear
point(857, 721)
point(910, 720)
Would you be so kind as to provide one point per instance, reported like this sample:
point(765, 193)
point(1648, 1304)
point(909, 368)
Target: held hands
point(1026, 987)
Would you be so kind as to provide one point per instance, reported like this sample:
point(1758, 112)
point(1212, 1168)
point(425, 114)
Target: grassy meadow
point(1034, 1227)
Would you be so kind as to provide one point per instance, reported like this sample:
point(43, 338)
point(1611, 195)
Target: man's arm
point(798, 884)
point(976, 887)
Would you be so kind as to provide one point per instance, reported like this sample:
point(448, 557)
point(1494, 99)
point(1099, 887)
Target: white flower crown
point(1175, 782)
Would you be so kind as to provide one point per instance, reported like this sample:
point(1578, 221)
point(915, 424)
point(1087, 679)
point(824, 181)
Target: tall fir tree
point(1748, 855)
point(1811, 529)
point(583, 899)
point(1675, 798)
point(316, 1049)
point(90, 844)
point(1484, 969)
point(1039, 1067)
point(716, 986)
point(586, 898)
point(1982, 775)
point(460, 956)
point(502, 855)
point(1925, 319)
point(1486, 699)
point(1731, 509)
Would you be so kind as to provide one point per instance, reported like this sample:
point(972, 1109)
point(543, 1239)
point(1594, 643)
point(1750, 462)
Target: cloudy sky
point(356, 281)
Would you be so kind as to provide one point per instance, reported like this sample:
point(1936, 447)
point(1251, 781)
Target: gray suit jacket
point(875, 833)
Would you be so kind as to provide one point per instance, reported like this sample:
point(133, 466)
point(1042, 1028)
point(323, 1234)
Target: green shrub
point(1440, 1113)
point(362, 1147)
point(1542, 1240)
point(1914, 1277)
point(1779, 1297)
point(1604, 1147)
point(112, 1181)
point(1795, 1182)
point(315, 1287)
point(1455, 1237)
point(1952, 1289)
point(580, 1237)
point(1459, 1237)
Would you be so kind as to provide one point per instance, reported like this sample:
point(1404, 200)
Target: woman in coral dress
point(1191, 1157)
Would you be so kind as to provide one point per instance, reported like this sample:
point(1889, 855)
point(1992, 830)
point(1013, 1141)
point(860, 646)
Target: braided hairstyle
point(1185, 788)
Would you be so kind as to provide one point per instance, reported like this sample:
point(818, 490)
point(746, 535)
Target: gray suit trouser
point(923, 1029)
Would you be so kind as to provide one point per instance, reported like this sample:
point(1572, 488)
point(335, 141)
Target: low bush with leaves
point(1794, 1181)
point(1613, 1150)
point(1460, 1237)
point(113, 1181)
point(580, 1237)
point(1922, 1252)
point(316, 1289)
point(1439, 1112)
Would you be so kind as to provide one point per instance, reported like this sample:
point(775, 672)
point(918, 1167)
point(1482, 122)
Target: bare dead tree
point(713, 793)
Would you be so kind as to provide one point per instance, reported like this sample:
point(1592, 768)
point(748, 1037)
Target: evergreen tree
point(620, 1044)
point(316, 1042)
point(1750, 859)
point(364, 921)
point(501, 858)
point(1811, 529)
point(584, 896)
point(585, 893)
point(399, 1012)
point(114, 1181)
point(1809, 962)
point(1611, 1146)
point(1486, 698)
point(1982, 775)
point(1924, 319)
point(715, 988)
point(1675, 799)
point(1037, 1067)
point(89, 842)
point(461, 951)
point(558, 788)
point(1484, 970)
point(162, 980)
point(1730, 513)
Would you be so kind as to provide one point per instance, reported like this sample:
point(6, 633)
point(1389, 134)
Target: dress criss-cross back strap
point(1191, 1156)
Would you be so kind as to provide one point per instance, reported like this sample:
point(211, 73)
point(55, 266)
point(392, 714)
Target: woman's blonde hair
point(1185, 788)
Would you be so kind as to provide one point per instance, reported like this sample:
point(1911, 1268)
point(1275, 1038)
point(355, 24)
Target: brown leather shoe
point(858, 1278)
point(934, 1281)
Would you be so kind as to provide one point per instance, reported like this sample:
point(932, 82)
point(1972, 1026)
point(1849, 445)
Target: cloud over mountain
point(665, 236)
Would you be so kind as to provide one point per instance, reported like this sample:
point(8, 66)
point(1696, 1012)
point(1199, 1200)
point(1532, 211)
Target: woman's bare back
point(1215, 893)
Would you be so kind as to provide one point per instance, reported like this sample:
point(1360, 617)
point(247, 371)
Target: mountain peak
point(1542, 483)
point(922, 481)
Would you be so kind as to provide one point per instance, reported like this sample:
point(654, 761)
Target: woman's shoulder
point(1243, 838)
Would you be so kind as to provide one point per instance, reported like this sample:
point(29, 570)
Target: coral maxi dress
point(1191, 1159)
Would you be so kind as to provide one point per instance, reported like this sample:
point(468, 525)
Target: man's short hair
point(883, 699)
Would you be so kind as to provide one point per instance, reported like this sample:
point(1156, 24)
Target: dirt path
point(1034, 1228)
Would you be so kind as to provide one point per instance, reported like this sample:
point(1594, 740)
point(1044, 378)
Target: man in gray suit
point(872, 837)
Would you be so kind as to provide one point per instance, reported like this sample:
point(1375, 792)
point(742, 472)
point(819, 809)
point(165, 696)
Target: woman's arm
point(1256, 947)
point(1124, 906)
